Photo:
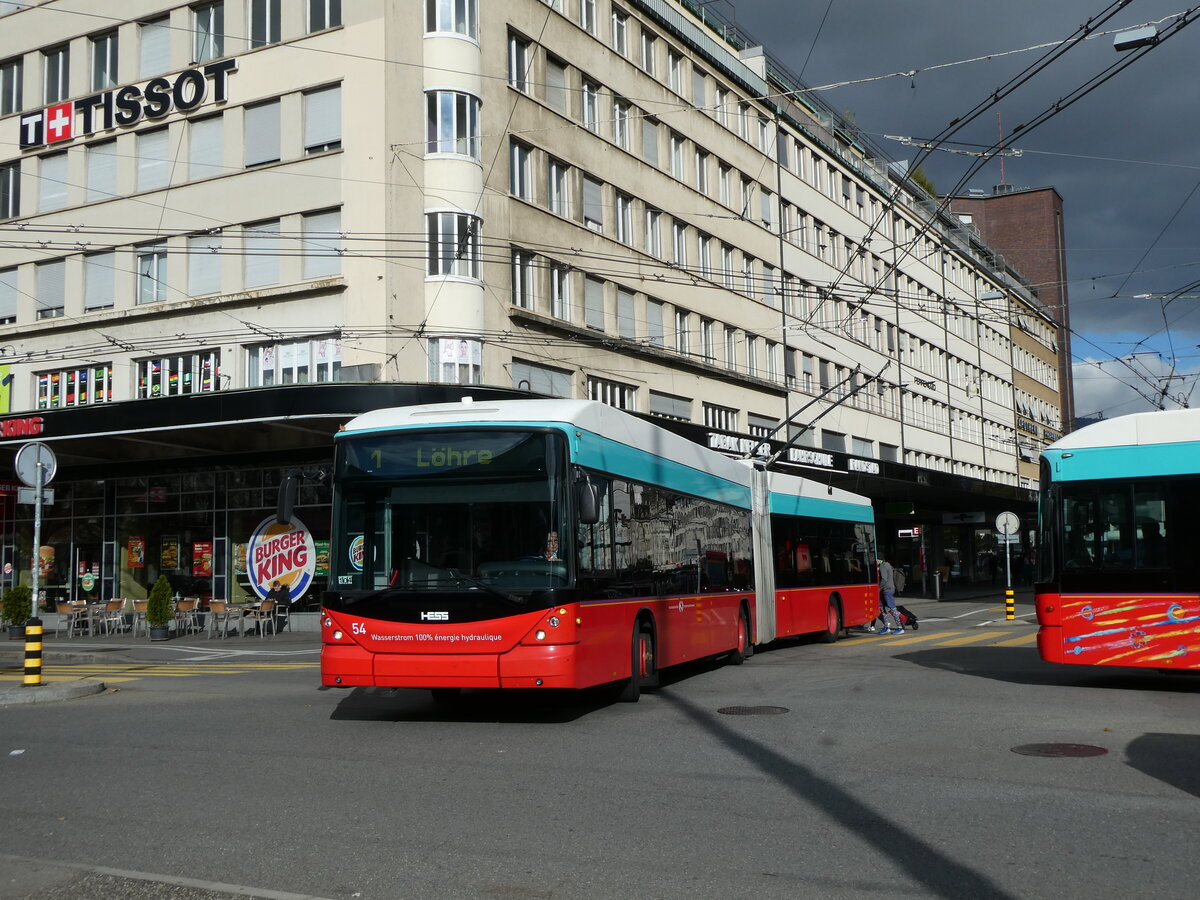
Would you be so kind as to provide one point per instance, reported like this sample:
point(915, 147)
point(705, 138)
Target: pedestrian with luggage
point(887, 596)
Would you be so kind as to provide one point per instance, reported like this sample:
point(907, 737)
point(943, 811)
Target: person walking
point(887, 595)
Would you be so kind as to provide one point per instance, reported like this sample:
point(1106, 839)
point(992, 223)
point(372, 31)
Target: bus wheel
point(744, 648)
point(643, 671)
point(446, 696)
point(833, 622)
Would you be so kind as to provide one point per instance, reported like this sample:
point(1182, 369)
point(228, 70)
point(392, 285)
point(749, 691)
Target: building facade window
point(262, 133)
point(593, 303)
point(453, 16)
point(654, 323)
point(206, 147)
point(98, 279)
point(294, 362)
point(104, 61)
point(186, 373)
point(522, 279)
point(668, 406)
point(260, 245)
point(264, 22)
point(10, 190)
point(57, 73)
point(556, 85)
point(324, 14)
point(614, 393)
point(208, 31)
point(8, 296)
point(650, 140)
point(74, 387)
point(621, 111)
point(52, 182)
point(653, 232)
point(620, 32)
point(587, 15)
point(153, 159)
point(624, 210)
point(152, 273)
point(518, 63)
point(520, 170)
point(557, 188)
point(452, 123)
point(649, 53)
point(154, 47)
point(560, 292)
point(323, 244)
point(454, 244)
point(626, 324)
point(204, 264)
point(593, 203)
point(323, 119)
point(591, 106)
point(683, 338)
point(722, 418)
point(455, 361)
point(11, 71)
point(51, 289)
point(527, 376)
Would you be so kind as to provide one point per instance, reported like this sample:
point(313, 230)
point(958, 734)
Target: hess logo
point(435, 616)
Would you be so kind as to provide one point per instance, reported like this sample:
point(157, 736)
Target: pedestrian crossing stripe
point(114, 673)
point(976, 638)
point(1018, 641)
point(943, 639)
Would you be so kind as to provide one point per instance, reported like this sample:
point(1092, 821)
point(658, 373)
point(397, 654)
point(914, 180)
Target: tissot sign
point(126, 106)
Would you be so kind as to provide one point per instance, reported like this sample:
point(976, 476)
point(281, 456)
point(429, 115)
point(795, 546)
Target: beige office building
point(216, 217)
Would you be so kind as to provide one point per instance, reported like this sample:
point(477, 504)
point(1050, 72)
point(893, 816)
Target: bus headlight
point(554, 621)
point(337, 635)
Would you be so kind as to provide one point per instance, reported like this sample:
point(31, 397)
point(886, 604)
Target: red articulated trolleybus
point(1118, 558)
point(566, 544)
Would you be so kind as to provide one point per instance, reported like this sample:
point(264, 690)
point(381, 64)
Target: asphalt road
point(868, 768)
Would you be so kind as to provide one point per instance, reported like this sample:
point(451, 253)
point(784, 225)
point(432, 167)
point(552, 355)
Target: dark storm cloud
point(1123, 158)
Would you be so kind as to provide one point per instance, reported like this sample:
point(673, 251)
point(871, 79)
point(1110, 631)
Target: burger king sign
point(283, 553)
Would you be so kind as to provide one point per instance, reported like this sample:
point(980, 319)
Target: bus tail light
point(1048, 609)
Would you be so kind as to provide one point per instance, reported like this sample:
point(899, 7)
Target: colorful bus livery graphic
point(281, 552)
point(1118, 573)
point(1155, 631)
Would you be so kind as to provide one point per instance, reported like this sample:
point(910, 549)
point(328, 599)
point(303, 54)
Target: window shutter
point(98, 290)
point(155, 51)
point(52, 178)
point(206, 147)
point(102, 171)
point(262, 133)
point(323, 118)
point(153, 160)
point(262, 254)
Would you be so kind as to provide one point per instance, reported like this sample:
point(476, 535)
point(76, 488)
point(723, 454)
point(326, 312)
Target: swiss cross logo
point(59, 120)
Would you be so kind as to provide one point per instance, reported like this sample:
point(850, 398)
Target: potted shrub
point(159, 611)
point(17, 607)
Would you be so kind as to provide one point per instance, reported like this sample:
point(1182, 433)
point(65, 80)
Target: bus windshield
point(451, 510)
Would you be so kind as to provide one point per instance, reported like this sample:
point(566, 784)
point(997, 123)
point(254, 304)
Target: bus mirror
point(589, 502)
point(287, 496)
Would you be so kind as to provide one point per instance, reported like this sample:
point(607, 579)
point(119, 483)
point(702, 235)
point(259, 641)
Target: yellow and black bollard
point(1009, 611)
point(33, 652)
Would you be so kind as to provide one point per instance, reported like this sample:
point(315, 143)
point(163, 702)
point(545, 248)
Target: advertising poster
point(202, 552)
point(136, 555)
point(169, 560)
point(322, 548)
point(239, 558)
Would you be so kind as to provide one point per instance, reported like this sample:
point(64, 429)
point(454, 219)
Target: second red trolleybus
point(566, 544)
point(1119, 548)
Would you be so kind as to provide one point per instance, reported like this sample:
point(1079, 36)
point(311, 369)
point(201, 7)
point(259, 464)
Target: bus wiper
point(494, 591)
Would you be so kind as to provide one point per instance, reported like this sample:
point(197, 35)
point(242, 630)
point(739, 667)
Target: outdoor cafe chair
point(139, 617)
point(263, 614)
point(70, 617)
point(112, 617)
point(220, 616)
point(185, 615)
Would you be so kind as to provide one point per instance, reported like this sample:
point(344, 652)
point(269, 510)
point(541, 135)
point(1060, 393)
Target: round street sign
point(1008, 523)
point(28, 458)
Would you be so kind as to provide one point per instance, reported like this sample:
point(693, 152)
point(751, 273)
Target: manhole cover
point(753, 710)
point(1059, 750)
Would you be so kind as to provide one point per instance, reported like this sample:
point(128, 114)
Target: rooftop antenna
point(1000, 129)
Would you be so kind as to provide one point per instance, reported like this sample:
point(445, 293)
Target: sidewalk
point(115, 649)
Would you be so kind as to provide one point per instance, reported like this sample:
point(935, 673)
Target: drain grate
point(1059, 750)
point(753, 710)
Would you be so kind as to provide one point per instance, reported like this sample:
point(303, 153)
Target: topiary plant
point(159, 610)
point(17, 604)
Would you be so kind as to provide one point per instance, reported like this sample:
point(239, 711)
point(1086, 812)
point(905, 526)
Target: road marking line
point(910, 638)
point(969, 639)
point(1018, 641)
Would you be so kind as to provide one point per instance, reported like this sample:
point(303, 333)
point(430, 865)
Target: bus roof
point(1143, 429)
point(1149, 444)
point(805, 497)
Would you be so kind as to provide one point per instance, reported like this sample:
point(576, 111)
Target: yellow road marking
point(969, 639)
point(910, 638)
point(1018, 641)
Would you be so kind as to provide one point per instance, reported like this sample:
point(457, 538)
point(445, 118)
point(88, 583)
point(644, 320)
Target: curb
point(50, 693)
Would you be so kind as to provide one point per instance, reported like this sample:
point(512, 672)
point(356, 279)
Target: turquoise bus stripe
point(1146, 461)
point(819, 508)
